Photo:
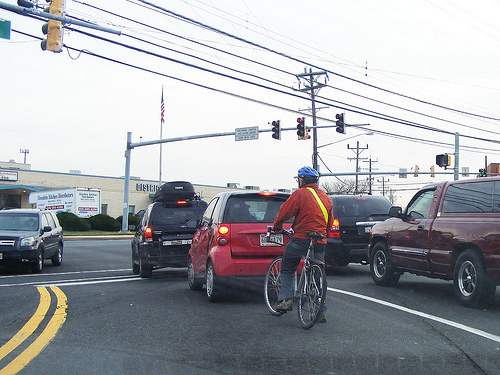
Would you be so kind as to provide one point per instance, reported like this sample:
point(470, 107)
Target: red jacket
point(308, 216)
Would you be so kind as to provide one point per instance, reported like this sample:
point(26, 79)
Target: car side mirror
point(395, 211)
point(46, 229)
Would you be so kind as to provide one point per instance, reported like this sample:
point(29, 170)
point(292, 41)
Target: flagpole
point(162, 120)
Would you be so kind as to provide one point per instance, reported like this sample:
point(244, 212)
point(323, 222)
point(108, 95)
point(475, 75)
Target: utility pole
point(383, 184)
point(370, 173)
point(358, 151)
point(457, 158)
point(313, 87)
point(162, 121)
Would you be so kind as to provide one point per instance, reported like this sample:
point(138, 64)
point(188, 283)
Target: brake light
point(148, 234)
point(267, 193)
point(181, 202)
point(335, 231)
point(222, 240)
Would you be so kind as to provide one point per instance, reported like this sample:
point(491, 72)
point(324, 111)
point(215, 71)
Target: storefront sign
point(146, 187)
point(8, 176)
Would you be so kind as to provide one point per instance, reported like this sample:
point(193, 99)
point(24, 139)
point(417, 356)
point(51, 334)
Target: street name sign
point(245, 134)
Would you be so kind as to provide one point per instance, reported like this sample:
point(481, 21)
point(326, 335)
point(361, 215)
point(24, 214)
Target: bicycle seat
point(316, 236)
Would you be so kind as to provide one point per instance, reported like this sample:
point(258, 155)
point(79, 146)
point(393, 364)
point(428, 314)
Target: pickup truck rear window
point(468, 198)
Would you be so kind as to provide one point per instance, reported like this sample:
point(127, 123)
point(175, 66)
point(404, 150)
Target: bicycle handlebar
point(270, 229)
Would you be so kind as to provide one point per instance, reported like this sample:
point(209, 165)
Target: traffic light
point(25, 3)
point(415, 174)
point(306, 132)
point(482, 173)
point(53, 28)
point(301, 127)
point(443, 160)
point(276, 129)
point(432, 171)
point(340, 123)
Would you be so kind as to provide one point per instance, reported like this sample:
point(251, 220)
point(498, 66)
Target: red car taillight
point(148, 234)
point(335, 231)
point(223, 235)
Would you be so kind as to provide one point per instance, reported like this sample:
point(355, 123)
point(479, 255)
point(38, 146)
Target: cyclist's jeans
point(294, 251)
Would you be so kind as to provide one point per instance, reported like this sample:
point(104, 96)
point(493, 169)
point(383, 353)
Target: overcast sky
point(231, 64)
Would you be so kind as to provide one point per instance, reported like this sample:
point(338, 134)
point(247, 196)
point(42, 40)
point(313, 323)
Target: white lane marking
point(50, 283)
point(116, 280)
point(64, 273)
point(422, 314)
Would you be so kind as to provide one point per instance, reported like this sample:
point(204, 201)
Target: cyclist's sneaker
point(322, 317)
point(285, 305)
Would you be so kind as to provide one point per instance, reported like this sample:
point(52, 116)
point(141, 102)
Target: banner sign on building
point(80, 201)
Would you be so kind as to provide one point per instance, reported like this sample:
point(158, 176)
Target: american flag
point(162, 111)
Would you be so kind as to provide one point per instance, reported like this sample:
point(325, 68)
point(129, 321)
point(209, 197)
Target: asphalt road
point(102, 319)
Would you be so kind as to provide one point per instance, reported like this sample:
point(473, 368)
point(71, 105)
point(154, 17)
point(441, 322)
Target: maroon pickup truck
point(449, 230)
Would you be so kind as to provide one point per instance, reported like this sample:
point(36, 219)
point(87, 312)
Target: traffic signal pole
point(65, 20)
point(131, 145)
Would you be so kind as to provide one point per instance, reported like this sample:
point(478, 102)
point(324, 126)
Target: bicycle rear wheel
point(312, 295)
point(272, 285)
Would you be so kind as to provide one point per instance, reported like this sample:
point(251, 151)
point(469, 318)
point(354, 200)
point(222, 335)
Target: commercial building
point(18, 180)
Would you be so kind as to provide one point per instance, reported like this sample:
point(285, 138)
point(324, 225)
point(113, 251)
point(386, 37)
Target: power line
point(205, 26)
point(183, 18)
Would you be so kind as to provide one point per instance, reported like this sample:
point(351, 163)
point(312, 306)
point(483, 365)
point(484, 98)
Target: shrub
point(70, 221)
point(104, 222)
point(132, 220)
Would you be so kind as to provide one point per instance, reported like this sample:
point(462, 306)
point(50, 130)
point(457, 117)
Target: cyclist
point(312, 212)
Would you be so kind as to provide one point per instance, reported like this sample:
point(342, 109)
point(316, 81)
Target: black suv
point(165, 232)
point(354, 216)
point(30, 236)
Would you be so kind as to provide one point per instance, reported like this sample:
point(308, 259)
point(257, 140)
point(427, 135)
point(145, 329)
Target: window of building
point(10, 201)
point(131, 209)
point(104, 208)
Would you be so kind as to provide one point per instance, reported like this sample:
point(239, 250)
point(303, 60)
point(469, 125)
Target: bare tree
point(345, 186)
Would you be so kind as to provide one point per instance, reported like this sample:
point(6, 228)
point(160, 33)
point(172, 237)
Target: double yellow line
point(57, 320)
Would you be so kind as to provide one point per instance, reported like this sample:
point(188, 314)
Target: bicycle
point(309, 290)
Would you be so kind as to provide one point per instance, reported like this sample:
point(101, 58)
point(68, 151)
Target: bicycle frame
point(308, 294)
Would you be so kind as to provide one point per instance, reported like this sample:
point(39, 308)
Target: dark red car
point(449, 230)
point(229, 247)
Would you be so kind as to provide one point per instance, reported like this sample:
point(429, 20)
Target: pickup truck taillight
point(335, 231)
point(148, 234)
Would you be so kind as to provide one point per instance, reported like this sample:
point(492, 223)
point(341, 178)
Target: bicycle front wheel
point(312, 295)
point(272, 285)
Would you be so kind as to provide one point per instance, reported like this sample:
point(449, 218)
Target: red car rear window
point(252, 209)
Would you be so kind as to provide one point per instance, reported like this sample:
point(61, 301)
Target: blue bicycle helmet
point(308, 172)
